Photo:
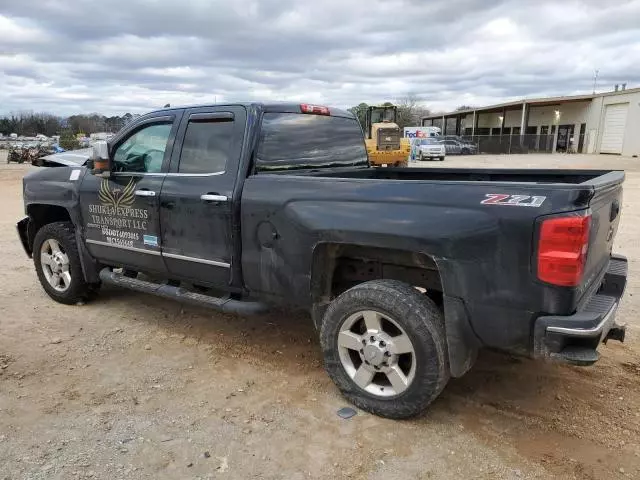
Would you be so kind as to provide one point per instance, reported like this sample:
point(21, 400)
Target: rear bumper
point(575, 338)
point(23, 232)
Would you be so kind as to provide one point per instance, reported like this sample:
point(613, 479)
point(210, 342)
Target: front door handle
point(145, 193)
point(210, 197)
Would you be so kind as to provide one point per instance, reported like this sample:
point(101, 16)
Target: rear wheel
point(57, 262)
point(384, 347)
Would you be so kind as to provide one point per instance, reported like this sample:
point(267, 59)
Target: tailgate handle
point(615, 210)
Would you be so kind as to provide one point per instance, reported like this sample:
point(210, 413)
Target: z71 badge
point(513, 200)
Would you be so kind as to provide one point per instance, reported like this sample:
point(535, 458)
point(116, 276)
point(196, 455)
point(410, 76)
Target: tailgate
point(606, 207)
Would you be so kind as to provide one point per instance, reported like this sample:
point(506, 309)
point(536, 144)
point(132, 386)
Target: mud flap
point(462, 343)
point(23, 233)
point(90, 267)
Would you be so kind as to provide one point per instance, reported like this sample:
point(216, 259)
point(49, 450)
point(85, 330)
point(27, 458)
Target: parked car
point(428, 148)
point(18, 155)
point(459, 146)
point(406, 272)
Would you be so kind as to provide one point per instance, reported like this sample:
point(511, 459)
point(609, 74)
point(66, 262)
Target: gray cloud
point(129, 55)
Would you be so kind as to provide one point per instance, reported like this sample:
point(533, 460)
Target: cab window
point(208, 145)
point(143, 152)
point(298, 141)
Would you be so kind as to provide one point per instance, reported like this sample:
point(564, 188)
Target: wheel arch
point(336, 267)
point(41, 214)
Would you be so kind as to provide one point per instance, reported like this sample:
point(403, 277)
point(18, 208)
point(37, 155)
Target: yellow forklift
point(385, 145)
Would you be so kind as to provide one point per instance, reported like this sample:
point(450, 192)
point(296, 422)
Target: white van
point(421, 132)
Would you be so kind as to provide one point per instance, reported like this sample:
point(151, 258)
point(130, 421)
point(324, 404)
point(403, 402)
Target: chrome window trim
point(143, 174)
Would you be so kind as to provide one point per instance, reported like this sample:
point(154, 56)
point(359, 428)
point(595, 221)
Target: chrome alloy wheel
point(376, 353)
point(55, 265)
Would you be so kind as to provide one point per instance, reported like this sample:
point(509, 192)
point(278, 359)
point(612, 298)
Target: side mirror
point(99, 162)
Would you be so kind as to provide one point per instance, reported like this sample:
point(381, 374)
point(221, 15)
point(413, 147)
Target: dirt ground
point(132, 386)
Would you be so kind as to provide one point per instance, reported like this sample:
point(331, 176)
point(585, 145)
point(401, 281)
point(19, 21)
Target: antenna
point(595, 79)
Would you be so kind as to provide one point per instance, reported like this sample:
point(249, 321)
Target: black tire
point(422, 321)
point(78, 290)
point(420, 157)
point(441, 159)
point(465, 151)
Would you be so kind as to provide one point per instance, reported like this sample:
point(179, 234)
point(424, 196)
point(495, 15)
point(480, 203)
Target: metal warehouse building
point(598, 123)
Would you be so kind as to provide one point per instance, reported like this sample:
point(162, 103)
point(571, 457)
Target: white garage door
point(615, 121)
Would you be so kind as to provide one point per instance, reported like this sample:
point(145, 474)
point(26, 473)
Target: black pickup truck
point(406, 272)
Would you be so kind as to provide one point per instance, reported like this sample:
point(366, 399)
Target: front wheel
point(384, 346)
point(441, 159)
point(57, 262)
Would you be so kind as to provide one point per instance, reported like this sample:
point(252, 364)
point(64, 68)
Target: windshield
point(296, 141)
point(429, 141)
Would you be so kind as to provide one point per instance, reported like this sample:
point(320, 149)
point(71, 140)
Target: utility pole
point(595, 79)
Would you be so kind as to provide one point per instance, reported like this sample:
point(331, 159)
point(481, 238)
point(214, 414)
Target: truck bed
point(536, 176)
point(453, 216)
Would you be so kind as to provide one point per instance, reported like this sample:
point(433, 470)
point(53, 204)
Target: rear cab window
point(208, 144)
point(290, 141)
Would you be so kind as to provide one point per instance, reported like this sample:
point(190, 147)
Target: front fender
point(52, 194)
point(55, 187)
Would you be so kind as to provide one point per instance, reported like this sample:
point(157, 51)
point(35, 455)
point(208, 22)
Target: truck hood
point(73, 158)
point(431, 148)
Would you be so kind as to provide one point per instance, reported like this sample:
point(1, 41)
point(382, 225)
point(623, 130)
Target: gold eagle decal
point(117, 197)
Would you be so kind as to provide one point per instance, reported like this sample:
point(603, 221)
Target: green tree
point(360, 111)
point(68, 141)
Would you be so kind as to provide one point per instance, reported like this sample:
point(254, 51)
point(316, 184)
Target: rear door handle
point(210, 197)
point(145, 193)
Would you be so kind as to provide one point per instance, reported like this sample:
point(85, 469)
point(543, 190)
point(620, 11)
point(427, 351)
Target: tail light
point(562, 249)
point(314, 109)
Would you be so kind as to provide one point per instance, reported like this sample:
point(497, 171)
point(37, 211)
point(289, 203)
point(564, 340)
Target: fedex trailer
point(421, 132)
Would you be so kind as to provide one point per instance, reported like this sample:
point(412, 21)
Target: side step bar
point(222, 304)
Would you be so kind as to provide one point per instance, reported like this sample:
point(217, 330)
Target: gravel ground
point(132, 386)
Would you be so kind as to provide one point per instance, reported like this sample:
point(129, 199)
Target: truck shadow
point(569, 420)
point(498, 384)
point(559, 417)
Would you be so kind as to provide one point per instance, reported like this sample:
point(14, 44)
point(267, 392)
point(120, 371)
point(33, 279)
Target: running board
point(222, 304)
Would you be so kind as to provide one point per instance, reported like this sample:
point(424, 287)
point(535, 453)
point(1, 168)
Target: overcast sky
point(115, 56)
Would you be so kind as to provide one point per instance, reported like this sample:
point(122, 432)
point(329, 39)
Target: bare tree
point(410, 111)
